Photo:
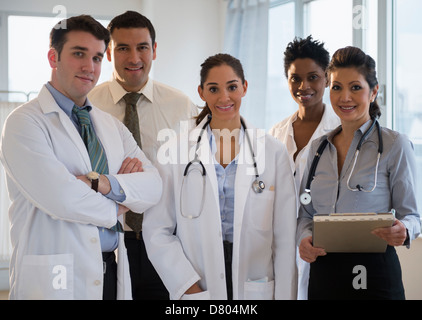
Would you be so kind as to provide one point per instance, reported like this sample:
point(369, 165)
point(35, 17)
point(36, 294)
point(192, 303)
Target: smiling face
point(307, 82)
point(76, 71)
point(223, 91)
point(131, 51)
point(351, 95)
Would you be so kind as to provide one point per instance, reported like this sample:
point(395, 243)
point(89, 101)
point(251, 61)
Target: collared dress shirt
point(108, 238)
point(226, 178)
point(396, 181)
point(162, 110)
point(284, 132)
point(331, 275)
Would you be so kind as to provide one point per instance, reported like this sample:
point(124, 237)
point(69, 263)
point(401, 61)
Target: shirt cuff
point(116, 193)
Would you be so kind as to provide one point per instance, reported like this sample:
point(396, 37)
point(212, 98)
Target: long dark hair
point(216, 61)
point(354, 57)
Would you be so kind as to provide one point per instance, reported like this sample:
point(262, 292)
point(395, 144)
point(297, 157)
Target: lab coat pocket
point(204, 295)
point(257, 290)
point(261, 209)
point(47, 277)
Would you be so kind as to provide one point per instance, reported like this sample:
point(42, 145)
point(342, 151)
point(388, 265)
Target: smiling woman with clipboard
point(363, 168)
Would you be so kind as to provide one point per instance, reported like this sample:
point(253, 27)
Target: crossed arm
point(129, 165)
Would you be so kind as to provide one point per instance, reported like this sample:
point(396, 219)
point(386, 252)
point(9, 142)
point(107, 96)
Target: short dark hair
point(353, 57)
point(132, 19)
point(306, 48)
point(78, 23)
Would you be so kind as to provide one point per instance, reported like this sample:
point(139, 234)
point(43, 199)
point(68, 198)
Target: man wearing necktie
point(145, 106)
point(72, 172)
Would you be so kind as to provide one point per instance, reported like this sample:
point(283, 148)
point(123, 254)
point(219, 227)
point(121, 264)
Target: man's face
point(78, 68)
point(131, 51)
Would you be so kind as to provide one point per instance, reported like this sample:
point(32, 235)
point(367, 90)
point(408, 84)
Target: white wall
point(188, 31)
point(411, 262)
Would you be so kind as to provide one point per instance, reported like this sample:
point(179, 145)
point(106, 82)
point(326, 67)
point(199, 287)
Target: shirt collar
point(361, 130)
point(365, 126)
point(117, 91)
point(65, 103)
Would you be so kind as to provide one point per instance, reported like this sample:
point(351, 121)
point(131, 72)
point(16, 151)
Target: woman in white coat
point(305, 64)
point(223, 229)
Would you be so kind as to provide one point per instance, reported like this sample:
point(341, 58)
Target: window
point(288, 19)
point(281, 31)
point(335, 30)
point(407, 111)
point(27, 53)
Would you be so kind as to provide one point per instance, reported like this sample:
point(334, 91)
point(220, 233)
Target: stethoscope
point(305, 198)
point(258, 186)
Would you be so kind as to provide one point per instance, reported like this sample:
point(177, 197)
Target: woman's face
point(223, 91)
point(307, 82)
point(351, 95)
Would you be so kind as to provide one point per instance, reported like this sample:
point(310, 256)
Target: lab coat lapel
point(243, 183)
point(108, 141)
point(245, 174)
point(49, 105)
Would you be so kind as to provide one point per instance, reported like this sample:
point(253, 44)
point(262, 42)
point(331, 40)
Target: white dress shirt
point(284, 132)
point(160, 107)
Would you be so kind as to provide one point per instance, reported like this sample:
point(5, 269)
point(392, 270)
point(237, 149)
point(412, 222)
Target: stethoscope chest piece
point(305, 198)
point(258, 186)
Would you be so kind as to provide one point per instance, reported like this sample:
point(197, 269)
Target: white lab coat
point(264, 225)
point(284, 132)
point(53, 215)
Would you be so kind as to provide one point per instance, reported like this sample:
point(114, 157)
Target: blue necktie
point(95, 149)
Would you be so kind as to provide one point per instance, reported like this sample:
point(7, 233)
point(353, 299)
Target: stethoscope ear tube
point(258, 186)
point(204, 172)
point(305, 198)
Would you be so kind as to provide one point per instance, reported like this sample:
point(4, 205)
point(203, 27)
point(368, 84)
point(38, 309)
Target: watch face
point(93, 175)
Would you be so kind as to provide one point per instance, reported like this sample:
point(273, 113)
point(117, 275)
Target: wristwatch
point(94, 177)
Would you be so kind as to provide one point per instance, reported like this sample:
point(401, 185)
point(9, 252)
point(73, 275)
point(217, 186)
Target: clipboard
point(350, 232)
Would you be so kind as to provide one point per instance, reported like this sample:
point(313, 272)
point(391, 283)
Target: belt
point(133, 235)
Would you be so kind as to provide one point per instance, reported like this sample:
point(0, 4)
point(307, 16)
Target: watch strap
point(94, 184)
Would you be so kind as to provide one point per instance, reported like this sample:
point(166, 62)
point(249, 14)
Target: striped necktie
point(131, 121)
point(95, 149)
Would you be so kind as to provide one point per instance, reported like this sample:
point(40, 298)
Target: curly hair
point(306, 48)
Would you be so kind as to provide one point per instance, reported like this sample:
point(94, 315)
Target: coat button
point(97, 282)
point(222, 275)
point(93, 240)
